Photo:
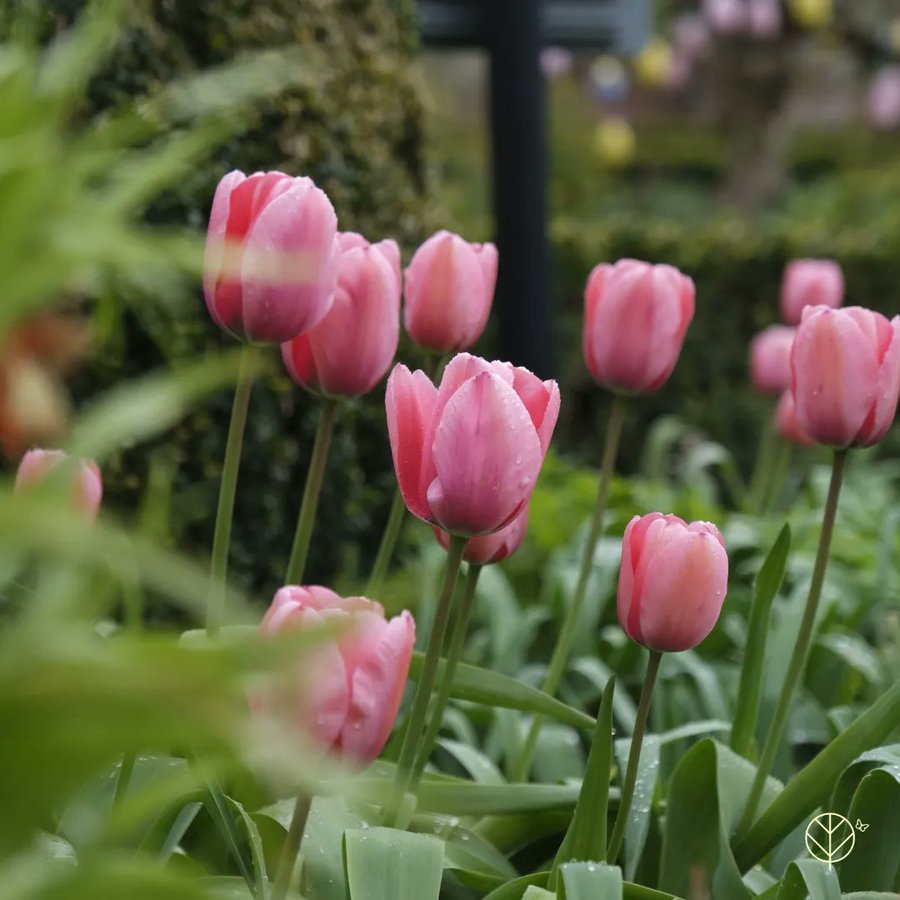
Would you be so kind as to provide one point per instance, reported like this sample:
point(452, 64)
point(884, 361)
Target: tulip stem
point(761, 480)
point(800, 654)
point(218, 570)
point(314, 478)
point(424, 689)
point(388, 543)
point(634, 757)
point(291, 849)
point(457, 641)
point(560, 658)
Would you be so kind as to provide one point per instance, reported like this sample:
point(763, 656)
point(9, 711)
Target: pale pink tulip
point(635, 319)
point(269, 270)
point(37, 465)
point(845, 375)
point(449, 289)
point(787, 424)
point(491, 548)
point(770, 359)
point(726, 16)
point(672, 581)
point(467, 454)
point(810, 282)
point(883, 99)
point(764, 18)
point(350, 350)
point(349, 689)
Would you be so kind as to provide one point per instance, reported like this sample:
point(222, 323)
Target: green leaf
point(638, 826)
point(768, 583)
point(590, 881)
point(219, 808)
point(874, 862)
point(707, 795)
point(536, 893)
point(492, 689)
point(810, 787)
point(514, 890)
point(387, 864)
point(474, 762)
point(180, 826)
point(809, 878)
point(586, 837)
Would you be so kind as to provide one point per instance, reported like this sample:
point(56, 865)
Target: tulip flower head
point(787, 424)
point(770, 359)
point(635, 319)
point(726, 16)
point(672, 581)
point(467, 454)
point(491, 548)
point(38, 465)
point(349, 690)
point(810, 282)
point(269, 268)
point(449, 289)
point(845, 375)
point(350, 350)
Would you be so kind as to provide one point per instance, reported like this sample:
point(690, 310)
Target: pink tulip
point(349, 351)
point(37, 465)
point(635, 319)
point(555, 61)
point(449, 289)
point(491, 548)
point(691, 36)
point(883, 98)
point(810, 282)
point(269, 270)
point(726, 16)
point(764, 18)
point(845, 375)
point(672, 581)
point(787, 424)
point(467, 454)
point(350, 685)
point(770, 359)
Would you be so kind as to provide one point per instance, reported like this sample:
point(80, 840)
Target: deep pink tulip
point(467, 454)
point(845, 375)
point(787, 424)
point(770, 359)
point(349, 351)
point(635, 318)
point(726, 16)
point(36, 466)
point(449, 289)
point(810, 282)
point(672, 581)
point(350, 687)
point(491, 548)
point(269, 270)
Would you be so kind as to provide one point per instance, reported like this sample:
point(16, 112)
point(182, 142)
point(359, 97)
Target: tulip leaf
point(532, 892)
point(638, 826)
point(768, 583)
point(513, 890)
point(388, 864)
point(586, 837)
point(808, 878)
point(810, 787)
point(588, 880)
point(489, 688)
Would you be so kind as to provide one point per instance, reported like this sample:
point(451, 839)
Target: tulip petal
point(487, 457)
point(541, 399)
point(225, 310)
point(881, 416)
point(409, 402)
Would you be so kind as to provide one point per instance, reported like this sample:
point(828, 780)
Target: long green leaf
point(479, 685)
point(768, 583)
point(811, 786)
point(809, 878)
point(388, 864)
point(874, 862)
point(513, 890)
point(590, 881)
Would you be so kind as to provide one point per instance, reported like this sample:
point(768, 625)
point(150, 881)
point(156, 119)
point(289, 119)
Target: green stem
point(634, 757)
point(419, 711)
point(218, 571)
point(761, 480)
point(457, 641)
point(122, 782)
point(780, 468)
point(560, 658)
point(314, 479)
point(388, 543)
point(291, 849)
point(800, 654)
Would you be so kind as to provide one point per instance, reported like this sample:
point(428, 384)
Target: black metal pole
point(524, 311)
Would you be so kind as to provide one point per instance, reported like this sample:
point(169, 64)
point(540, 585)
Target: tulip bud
point(269, 269)
point(635, 319)
point(726, 16)
point(787, 424)
point(491, 548)
point(691, 36)
point(467, 454)
point(449, 289)
point(37, 465)
point(883, 99)
point(672, 581)
point(349, 351)
point(764, 18)
point(810, 282)
point(770, 359)
point(352, 683)
point(845, 375)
